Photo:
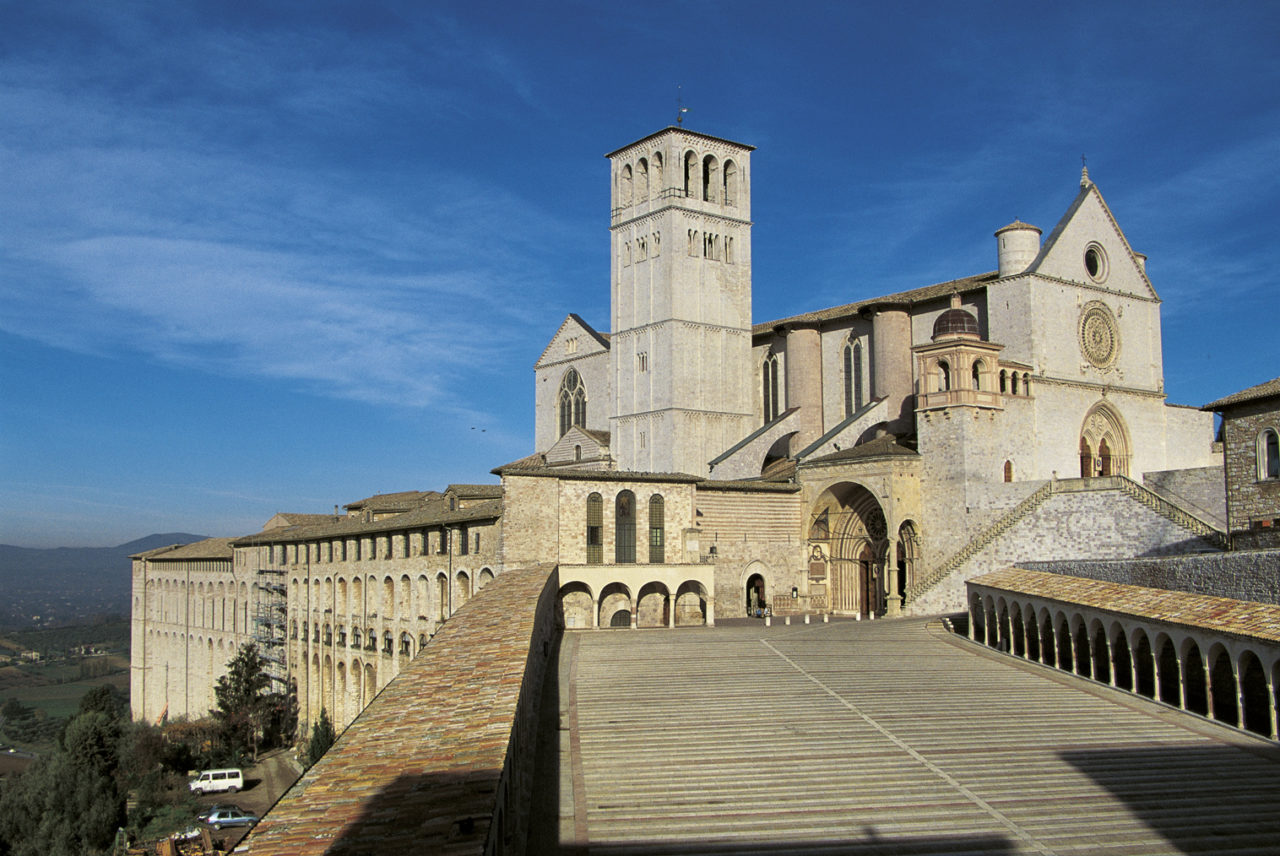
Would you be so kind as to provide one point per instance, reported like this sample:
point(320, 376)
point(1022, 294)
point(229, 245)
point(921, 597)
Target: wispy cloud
point(147, 218)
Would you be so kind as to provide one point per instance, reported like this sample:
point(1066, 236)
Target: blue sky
point(263, 256)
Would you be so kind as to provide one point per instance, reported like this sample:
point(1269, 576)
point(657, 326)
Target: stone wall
point(442, 761)
point(1201, 490)
point(1251, 500)
point(1252, 575)
point(1083, 523)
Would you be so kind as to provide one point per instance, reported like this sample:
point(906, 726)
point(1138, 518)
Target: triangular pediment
point(575, 339)
point(1088, 247)
point(580, 446)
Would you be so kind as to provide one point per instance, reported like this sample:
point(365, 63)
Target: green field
point(61, 700)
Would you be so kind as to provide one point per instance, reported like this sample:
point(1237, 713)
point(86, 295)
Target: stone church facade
point(862, 460)
point(844, 461)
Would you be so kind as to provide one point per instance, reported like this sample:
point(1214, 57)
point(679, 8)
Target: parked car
point(208, 811)
point(213, 781)
point(227, 817)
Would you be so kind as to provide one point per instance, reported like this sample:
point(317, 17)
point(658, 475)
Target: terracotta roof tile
point(1220, 614)
point(1270, 389)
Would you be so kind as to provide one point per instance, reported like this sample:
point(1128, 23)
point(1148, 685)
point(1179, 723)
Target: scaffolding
point(269, 625)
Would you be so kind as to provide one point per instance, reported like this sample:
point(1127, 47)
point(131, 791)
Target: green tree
point(322, 737)
point(68, 802)
point(242, 699)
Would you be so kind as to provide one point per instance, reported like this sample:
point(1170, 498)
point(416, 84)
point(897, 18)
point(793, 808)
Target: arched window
point(1004, 381)
point(624, 187)
point(1026, 383)
point(625, 528)
point(572, 402)
point(730, 183)
point(771, 404)
point(977, 374)
point(690, 174)
point(1008, 471)
point(1269, 455)
point(1014, 389)
point(642, 180)
point(944, 376)
point(595, 529)
point(657, 552)
point(655, 177)
point(710, 179)
point(852, 377)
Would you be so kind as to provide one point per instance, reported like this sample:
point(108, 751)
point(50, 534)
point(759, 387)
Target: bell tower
point(680, 229)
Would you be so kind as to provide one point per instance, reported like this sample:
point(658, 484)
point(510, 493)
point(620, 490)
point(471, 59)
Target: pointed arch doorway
point(855, 523)
point(1105, 449)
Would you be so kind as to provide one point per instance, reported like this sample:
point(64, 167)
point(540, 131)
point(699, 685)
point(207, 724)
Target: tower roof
point(682, 130)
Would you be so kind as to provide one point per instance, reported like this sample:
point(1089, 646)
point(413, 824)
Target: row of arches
point(704, 177)
point(180, 670)
point(653, 604)
point(1226, 680)
point(391, 597)
point(342, 686)
point(215, 606)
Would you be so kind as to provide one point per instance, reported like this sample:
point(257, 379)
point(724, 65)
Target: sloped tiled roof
point(210, 548)
point(1219, 614)
point(475, 491)
point(290, 518)
point(1269, 389)
point(433, 513)
point(401, 501)
point(885, 446)
point(915, 295)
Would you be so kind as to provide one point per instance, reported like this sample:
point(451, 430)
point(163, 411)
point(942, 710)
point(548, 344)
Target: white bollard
point(788, 620)
point(806, 618)
point(826, 619)
point(871, 616)
point(768, 621)
point(858, 617)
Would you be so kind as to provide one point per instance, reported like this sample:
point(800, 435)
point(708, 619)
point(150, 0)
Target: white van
point(215, 781)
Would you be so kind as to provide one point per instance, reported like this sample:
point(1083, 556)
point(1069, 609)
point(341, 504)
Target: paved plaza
point(883, 737)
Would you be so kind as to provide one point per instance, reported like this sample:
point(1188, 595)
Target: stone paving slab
point(886, 737)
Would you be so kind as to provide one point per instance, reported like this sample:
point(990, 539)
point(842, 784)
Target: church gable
point(1088, 247)
point(581, 446)
point(575, 339)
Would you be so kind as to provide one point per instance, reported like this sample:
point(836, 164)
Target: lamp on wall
point(795, 592)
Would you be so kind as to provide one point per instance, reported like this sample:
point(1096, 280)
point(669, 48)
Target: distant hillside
point(22, 564)
point(68, 584)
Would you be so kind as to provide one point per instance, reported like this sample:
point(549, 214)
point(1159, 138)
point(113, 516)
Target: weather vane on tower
point(680, 108)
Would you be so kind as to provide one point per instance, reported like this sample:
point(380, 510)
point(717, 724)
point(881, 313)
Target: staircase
point(1125, 485)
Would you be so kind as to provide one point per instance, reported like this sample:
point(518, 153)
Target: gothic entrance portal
point(1104, 443)
point(856, 539)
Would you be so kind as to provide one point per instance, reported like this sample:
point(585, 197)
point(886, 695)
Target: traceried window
point(771, 405)
point(625, 528)
point(852, 377)
point(1269, 455)
point(595, 529)
point(572, 402)
point(657, 552)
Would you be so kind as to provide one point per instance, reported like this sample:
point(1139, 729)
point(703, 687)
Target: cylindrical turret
point(804, 383)
point(1018, 244)
point(891, 353)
